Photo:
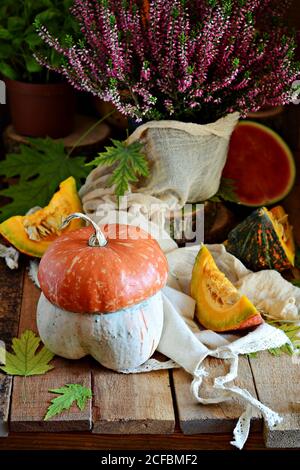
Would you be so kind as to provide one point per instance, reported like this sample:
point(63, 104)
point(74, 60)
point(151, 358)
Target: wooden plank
point(30, 397)
point(88, 441)
point(222, 417)
point(132, 404)
point(277, 381)
point(11, 283)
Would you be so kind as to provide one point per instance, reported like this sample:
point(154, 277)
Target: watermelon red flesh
point(260, 163)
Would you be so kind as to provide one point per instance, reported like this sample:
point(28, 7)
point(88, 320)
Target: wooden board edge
point(281, 439)
point(9, 324)
point(51, 426)
point(209, 426)
point(6, 384)
point(134, 427)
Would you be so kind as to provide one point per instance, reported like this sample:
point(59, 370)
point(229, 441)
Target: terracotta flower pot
point(41, 110)
point(117, 119)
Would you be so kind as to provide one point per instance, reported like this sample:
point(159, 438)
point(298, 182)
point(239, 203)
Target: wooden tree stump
point(91, 143)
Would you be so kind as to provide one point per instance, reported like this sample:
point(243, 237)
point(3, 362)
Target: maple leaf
point(129, 163)
point(41, 166)
point(26, 361)
point(69, 394)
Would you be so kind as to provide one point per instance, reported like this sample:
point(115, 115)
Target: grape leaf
point(41, 166)
point(129, 163)
point(26, 361)
point(69, 394)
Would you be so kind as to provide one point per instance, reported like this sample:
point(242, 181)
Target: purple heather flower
point(156, 59)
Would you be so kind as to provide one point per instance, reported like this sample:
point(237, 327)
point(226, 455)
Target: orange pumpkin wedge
point(219, 306)
point(33, 234)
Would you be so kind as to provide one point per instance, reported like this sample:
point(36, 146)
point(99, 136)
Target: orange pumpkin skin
point(83, 279)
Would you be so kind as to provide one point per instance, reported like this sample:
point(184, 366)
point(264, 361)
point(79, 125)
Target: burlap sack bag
point(186, 163)
point(186, 159)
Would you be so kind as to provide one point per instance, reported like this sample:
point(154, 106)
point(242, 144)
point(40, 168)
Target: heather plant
point(180, 59)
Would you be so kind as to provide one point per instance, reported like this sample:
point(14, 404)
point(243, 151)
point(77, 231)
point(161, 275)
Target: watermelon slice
point(260, 163)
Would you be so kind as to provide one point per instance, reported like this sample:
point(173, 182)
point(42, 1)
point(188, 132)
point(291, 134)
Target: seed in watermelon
point(260, 164)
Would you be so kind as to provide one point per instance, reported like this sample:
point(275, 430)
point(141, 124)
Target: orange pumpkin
point(104, 271)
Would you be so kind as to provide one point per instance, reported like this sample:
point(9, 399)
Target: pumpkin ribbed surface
point(264, 240)
point(79, 278)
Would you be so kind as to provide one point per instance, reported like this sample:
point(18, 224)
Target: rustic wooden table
point(142, 411)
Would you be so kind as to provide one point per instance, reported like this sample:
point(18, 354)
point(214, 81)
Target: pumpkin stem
point(97, 239)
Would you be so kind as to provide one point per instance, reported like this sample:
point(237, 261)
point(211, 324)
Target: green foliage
point(19, 40)
point(26, 361)
point(42, 166)
point(292, 331)
point(226, 191)
point(252, 355)
point(69, 394)
point(128, 162)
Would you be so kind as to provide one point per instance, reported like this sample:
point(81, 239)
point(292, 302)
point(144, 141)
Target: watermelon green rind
point(291, 164)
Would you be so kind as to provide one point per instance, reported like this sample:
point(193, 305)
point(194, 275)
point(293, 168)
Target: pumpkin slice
point(264, 240)
point(32, 234)
point(285, 232)
point(219, 306)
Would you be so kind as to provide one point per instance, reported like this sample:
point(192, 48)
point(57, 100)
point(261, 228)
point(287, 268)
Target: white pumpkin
point(119, 340)
point(101, 295)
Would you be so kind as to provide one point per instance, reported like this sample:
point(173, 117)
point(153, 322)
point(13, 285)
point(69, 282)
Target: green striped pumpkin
point(264, 240)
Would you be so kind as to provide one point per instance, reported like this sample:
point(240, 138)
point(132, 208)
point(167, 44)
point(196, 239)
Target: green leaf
point(226, 192)
point(292, 331)
point(5, 34)
point(32, 65)
point(33, 40)
point(26, 361)
point(26, 195)
point(8, 71)
point(47, 15)
point(42, 166)
point(252, 355)
point(15, 24)
point(6, 50)
point(18, 43)
point(69, 394)
point(129, 163)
